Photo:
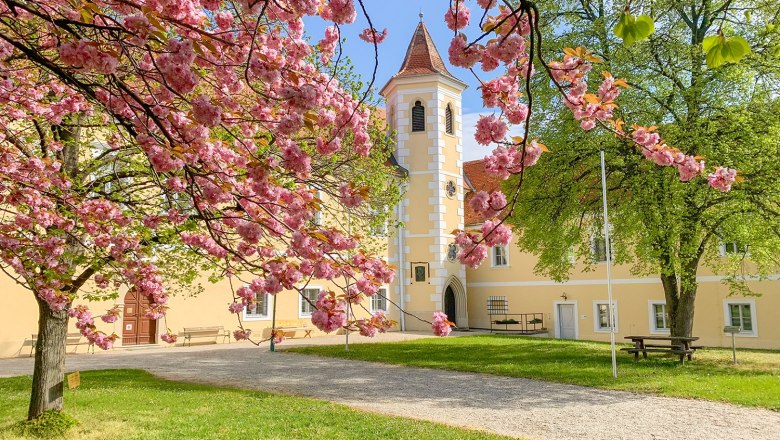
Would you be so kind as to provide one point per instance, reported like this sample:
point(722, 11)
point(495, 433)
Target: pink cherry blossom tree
point(137, 133)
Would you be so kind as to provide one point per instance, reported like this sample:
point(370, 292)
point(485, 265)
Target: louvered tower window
point(418, 117)
point(448, 119)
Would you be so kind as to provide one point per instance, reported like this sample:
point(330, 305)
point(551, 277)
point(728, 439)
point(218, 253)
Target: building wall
point(531, 293)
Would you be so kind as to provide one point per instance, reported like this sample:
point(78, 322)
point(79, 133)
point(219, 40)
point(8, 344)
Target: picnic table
point(679, 345)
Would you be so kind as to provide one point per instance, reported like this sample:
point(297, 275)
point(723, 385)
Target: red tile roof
point(476, 179)
point(422, 58)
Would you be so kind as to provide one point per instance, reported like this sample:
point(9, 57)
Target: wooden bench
point(294, 326)
point(70, 339)
point(213, 332)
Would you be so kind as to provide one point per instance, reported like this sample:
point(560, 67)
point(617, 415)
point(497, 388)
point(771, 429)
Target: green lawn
point(755, 381)
point(133, 404)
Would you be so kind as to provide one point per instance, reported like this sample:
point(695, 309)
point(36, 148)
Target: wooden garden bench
point(212, 332)
point(294, 326)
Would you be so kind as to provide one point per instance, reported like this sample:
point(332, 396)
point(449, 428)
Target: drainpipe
point(401, 266)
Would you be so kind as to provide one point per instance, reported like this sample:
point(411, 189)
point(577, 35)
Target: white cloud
point(471, 149)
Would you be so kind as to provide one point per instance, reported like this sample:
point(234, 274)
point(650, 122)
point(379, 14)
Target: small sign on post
point(74, 380)
point(733, 329)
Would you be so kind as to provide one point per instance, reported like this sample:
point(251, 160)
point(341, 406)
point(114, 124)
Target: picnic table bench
point(70, 339)
point(678, 345)
point(205, 332)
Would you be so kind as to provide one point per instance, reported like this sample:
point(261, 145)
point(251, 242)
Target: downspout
point(401, 266)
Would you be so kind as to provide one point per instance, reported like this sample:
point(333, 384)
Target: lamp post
point(608, 247)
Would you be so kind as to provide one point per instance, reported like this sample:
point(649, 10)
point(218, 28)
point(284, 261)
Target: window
point(598, 248)
point(418, 117)
point(316, 219)
point(450, 189)
point(448, 119)
point(742, 314)
point(260, 309)
point(659, 317)
point(500, 258)
point(311, 294)
point(733, 248)
point(601, 315)
point(379, 301)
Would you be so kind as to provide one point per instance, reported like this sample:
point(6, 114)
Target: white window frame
point(386, 293)
point(753, 316)
point(651, 316)
point(724, 252)
point(493, 256)
point(597, 323)
point(316, 219)
point(301, 313)
point(269, 311)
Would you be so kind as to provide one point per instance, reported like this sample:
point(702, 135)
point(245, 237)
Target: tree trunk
point(682, 324)
point(49, 372)
point(680, 300)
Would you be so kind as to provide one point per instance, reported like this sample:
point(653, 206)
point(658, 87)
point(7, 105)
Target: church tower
point(424, 108)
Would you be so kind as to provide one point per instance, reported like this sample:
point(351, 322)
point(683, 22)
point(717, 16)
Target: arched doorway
point(450, 307)
point(136, 328)
point(454, 303)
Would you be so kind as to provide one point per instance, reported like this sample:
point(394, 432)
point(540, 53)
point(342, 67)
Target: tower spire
point(421, 15)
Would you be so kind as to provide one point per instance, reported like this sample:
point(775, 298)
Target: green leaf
point(633, 29)
point(721, 50)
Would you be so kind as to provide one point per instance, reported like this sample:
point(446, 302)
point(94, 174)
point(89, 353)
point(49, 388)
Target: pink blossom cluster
point(331, 313)
point(490, 129)
point(86, 325)
point(472, 252)
point(441, 326)
point(370, 35)
point(349, 196)
point(169, 337)
point(722, 178)
point(488, 204)
point(457, 17)
point(242, 334)
point(377, 323)
point(86, 55)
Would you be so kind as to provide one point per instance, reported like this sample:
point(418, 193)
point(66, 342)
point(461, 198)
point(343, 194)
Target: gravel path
point(515, 407)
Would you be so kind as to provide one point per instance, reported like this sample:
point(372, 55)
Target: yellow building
point(424, 109)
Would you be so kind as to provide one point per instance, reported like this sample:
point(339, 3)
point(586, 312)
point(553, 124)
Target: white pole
point(609, 265)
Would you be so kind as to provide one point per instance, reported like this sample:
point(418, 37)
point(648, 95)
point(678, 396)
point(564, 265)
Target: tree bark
point(49, 372)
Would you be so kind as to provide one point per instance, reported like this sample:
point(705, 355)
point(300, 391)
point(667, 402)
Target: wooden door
point(137, 329)
point(566, 321)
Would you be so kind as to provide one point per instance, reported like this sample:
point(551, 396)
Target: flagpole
point(608, 247)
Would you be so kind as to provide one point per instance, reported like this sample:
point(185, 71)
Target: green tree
point(727, 114)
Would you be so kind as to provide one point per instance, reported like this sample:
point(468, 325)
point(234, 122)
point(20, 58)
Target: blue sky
point(401, 17)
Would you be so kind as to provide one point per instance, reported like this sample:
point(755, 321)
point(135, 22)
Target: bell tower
point(424, 108)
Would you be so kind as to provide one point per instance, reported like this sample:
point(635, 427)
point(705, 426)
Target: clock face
point(450, 189)
point(452, 252)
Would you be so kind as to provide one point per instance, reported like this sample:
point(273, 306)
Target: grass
point(755, 381)
point(133, 404)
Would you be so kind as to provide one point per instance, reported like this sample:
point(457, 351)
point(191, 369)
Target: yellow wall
point(530, 293)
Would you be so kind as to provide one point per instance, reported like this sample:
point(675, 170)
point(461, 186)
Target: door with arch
point(136, 328)
point(450, 306)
